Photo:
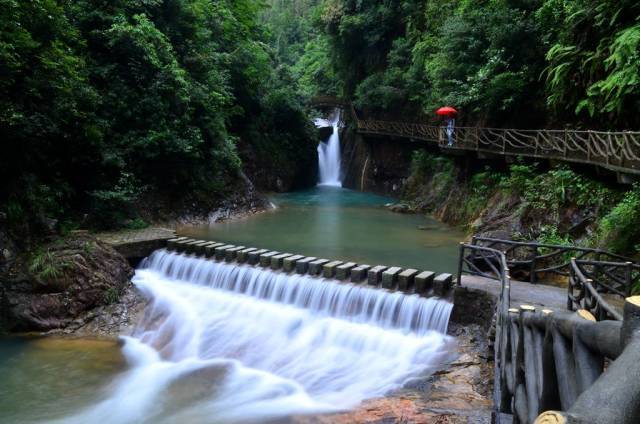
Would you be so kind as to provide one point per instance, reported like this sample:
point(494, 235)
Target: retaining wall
point(424, 283)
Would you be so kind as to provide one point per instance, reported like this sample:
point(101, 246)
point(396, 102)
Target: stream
point(231, 343)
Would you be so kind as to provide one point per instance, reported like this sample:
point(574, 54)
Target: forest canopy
point(527, 63)
point(105, 102)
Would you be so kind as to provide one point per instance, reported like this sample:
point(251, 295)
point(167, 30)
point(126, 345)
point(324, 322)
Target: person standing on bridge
point(449, 115)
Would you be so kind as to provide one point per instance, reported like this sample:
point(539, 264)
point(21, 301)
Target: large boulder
point(325, 133)
point(60, 282)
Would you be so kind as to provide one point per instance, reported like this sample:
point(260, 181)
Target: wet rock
point(428, 227)
point(473, 307)
point(400, 208)
point(458, 392)
point(59, 283)
point(325, 133)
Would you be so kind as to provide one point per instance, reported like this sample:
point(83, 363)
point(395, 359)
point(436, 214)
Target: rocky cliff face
point(376, 164)
point(58, 284)
point(282, 165)
point(443, 188)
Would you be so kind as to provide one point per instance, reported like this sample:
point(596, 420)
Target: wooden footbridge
point(618, 151)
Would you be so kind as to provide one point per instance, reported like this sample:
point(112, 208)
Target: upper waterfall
point(329, 153)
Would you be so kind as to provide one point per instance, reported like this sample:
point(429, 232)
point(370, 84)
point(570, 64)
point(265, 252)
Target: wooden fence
point(549, 364)
point(614, 150)
point(540, 261)
point(600, 287)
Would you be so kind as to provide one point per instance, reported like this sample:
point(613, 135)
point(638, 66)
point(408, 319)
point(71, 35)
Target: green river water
point(336, 223)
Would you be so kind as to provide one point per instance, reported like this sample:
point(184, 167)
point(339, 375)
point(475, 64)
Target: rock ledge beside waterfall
point(65, 284)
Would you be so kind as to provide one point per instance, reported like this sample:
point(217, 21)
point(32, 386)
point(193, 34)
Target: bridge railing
point(328, 101)
point(491, 263)
point(616, 150)
point(540, 261)
point(600, 287)
point(549, 364)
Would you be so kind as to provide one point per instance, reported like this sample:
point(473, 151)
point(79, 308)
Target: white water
point(227, 343)
point(329, 153)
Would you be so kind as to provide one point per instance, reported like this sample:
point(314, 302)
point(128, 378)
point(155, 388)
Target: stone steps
point(424, 283)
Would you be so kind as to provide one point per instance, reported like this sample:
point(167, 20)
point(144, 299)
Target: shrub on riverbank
point(525, 202)
point(619, 230)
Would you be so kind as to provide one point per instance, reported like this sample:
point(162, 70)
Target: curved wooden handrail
point(616, 150)
point(541, 259)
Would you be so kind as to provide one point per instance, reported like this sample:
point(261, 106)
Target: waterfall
point(329, 153)
point(232, 343)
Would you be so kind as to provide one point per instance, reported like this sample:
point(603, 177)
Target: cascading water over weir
point(228, 342)
point(329, 153)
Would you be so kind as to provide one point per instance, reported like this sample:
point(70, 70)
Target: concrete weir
point(425, 283)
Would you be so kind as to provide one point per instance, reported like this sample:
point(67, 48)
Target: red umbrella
point(446, 111)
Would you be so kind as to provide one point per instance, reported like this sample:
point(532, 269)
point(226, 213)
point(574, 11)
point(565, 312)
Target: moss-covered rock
point(58, 283)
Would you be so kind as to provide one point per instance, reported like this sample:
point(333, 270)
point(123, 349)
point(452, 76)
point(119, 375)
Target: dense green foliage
point(301, 46)
point(102, 102)
point(502, 62)
point(620, 228)
point(552, 206)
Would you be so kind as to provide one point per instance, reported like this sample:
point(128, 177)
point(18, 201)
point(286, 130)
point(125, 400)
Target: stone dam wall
point(410, 281)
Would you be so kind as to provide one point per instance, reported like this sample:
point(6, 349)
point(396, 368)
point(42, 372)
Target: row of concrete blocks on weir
point(407, 280)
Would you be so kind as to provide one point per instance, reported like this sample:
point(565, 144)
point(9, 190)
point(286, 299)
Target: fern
point(46, 266)
point(623, 67)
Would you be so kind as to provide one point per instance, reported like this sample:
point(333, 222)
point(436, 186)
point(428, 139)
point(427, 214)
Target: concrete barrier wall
point(424, 283)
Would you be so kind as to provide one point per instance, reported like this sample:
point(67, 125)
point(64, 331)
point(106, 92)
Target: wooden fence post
point(631, 321)
point(532, 271)
point(628, 278)
point(460, 262)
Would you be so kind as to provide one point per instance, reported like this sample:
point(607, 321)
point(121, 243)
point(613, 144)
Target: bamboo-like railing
point(549, 364)
point(598, 281)
point(540, 261)
point(615, 150)
point(598, 286)
point(328, 101)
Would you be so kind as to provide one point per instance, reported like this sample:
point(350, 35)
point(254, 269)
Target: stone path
point(137, 244)
point(521, 292)
point(116, 238)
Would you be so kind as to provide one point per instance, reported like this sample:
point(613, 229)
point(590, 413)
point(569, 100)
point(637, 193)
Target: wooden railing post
point(460, 262)
point(628, 277)
point(631, 322)
point(532, 270)
point(571, 286)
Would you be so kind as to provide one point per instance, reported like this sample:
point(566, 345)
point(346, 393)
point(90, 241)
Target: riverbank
point(79, 284)
point(524, 201)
